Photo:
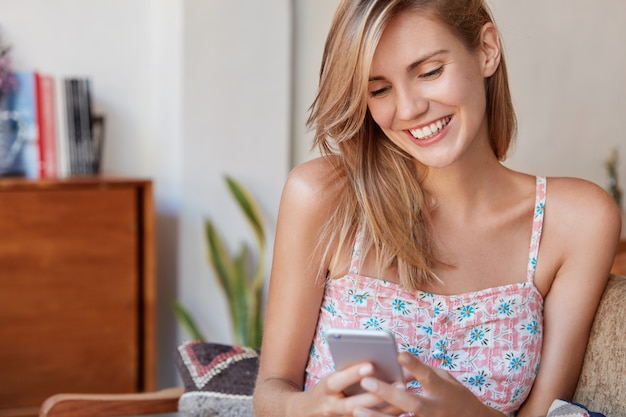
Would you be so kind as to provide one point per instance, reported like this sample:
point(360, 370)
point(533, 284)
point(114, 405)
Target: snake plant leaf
point(241, 282)
point(249, 207)
point(256, 325)
point(185, 319)
point(219, 258)
point(240, 302)
point(253, 215)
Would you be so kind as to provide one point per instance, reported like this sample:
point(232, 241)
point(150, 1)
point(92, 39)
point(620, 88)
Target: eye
point(379, 92)
point(432, 74)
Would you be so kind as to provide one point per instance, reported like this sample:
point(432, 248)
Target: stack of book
point(48, 129)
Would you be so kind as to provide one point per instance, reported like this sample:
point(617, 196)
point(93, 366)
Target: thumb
point(422, 373)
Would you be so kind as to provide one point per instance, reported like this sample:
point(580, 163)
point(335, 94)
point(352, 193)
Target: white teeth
point(430, 130)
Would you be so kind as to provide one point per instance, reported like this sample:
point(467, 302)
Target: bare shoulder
point(583, 215)
point(582, 202)
point(315, 183)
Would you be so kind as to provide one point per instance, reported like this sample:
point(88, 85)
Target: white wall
point(566, 61)
point(567, 66)
point(191, 90)
point(311, 21)
point(237, 62)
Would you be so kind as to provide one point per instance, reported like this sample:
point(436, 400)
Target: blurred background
point(193, 90)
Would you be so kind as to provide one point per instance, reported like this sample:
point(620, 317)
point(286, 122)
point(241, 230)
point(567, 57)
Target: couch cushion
point(603, 378)
point(219, 379)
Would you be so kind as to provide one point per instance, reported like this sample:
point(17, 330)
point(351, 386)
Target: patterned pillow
point(561, 408)
point(219, 379)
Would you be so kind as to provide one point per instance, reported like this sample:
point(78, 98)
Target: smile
point(430, 130)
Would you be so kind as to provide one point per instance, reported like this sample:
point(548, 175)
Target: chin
point(444, 161)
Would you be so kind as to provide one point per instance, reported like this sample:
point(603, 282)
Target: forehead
point(412, 34)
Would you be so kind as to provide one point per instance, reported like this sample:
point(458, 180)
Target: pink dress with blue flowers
point(489, 340)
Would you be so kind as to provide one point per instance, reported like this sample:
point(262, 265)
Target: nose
point(410, 104)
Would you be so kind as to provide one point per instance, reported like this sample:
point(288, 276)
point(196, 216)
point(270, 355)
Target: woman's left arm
point(581, 230)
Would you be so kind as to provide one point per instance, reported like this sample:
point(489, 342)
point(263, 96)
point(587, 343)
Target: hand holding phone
point(351, 346)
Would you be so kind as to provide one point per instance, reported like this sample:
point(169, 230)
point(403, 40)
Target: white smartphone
point(351, 346)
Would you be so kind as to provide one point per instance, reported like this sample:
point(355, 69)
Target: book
point(84, 147)
point(48, 128)
point(70, 115)
point(62, 145)
point(47, 125)
point(8, 138)
point(21, 131)
point(85, 136)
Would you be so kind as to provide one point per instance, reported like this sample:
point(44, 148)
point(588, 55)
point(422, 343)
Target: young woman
point(488, 278)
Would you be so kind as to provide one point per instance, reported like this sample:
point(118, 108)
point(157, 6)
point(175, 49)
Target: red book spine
point(46, 120)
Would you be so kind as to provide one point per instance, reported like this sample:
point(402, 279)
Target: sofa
point(219, 379)
point(602, 382)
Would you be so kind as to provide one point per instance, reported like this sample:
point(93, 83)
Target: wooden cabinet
point(76, 289)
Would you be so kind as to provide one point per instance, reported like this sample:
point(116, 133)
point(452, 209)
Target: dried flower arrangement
point(8, 82)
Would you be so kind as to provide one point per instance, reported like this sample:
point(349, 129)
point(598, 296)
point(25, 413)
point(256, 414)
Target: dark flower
point(8, 82)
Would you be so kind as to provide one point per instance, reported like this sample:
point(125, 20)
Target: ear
point(490, 49)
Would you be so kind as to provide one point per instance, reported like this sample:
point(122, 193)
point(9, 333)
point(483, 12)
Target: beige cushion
point(602, 383)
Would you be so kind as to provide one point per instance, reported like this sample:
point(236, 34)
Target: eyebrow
point(415, 64)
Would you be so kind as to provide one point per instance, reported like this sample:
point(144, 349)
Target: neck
point(468, 186)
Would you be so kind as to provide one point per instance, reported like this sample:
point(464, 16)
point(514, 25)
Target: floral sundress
point(489, 340)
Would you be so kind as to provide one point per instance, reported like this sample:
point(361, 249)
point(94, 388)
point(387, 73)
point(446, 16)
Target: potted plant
point(241, 280)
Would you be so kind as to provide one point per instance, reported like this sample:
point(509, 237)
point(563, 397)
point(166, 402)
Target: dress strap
point(540, 206)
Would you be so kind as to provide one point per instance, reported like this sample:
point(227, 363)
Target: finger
point(389, 409)
point(367, 412)
point(370, 401)
point(337, 382)
point(421, 372)
point(386, 411)
point(396, 396)
point(426, 375)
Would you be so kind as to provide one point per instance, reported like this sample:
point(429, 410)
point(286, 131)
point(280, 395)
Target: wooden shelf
point(76, 289)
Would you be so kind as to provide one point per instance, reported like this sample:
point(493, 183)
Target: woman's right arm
point(295, 295)
point(295, 292)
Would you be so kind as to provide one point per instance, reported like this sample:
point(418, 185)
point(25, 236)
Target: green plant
point(611, 166)
point(241, 281)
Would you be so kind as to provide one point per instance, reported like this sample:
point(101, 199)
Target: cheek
point(450, 91)
point(381, 112)
point(468, 89)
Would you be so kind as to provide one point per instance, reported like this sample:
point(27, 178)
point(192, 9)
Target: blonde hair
point(384, 199)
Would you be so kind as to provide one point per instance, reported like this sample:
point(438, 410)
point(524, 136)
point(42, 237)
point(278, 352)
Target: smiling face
point(426, 89)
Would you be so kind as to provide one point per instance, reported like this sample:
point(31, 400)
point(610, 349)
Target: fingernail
point(369, 384)
point(399, 385)
point(404, 358)
point(366, 369)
